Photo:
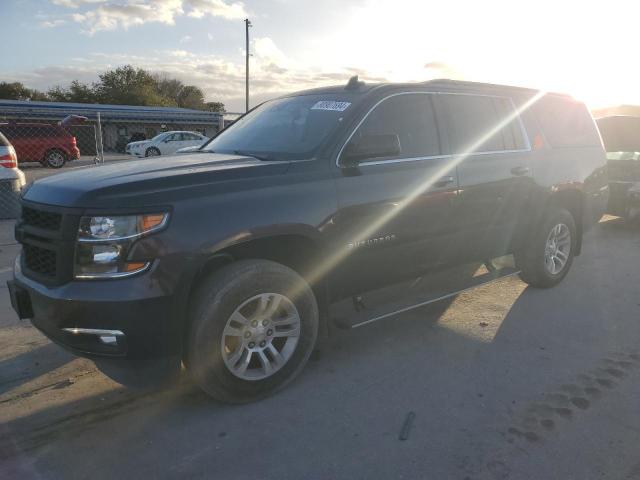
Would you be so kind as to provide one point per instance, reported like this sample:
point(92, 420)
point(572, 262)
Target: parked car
point(12, 180)
point(51, 145)
point(166, 143)
point(335, 206)
point(191, 149)
point(621, 137)
point(121, 144)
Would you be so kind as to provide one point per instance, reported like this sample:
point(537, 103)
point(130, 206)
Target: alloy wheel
point(557, 249)
point(55, 159)
point(260, 336)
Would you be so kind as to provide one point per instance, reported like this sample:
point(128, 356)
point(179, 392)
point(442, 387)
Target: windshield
point(291, 128)
point(623, 155)
point(158, 137)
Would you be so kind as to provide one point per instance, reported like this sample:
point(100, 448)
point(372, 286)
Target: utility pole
point(247, 24)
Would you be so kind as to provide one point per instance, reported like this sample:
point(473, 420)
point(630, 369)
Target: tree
point(215, 107)
point(129, 86)
point(17, 91)
point(169, 88)
point(125, 85)
point(77, 93)
point(191, 97)
point(185, 96)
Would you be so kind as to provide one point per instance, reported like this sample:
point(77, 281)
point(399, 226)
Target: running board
point(387, 302)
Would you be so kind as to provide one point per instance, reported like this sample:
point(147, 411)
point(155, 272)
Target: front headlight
point(104, 243)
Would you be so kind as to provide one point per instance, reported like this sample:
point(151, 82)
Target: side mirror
point(371, 146)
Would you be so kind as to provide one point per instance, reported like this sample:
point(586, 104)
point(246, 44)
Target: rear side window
point(482, 124)
point(566, 123)
point(410, 116)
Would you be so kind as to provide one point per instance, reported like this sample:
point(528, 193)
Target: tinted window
point(566, 123)
point(474, 122)
point(411, 117)
point(512, 136)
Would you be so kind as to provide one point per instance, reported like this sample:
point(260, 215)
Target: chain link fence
point(49, 137)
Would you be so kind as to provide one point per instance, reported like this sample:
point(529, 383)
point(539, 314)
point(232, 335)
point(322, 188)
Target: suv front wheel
point(548, 256)
point(55, 159)
point(253, 327)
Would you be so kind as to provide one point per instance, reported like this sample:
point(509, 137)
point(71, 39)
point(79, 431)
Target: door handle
point(519, 171)
point(444, 181)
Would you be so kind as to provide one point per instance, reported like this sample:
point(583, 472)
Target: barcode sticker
point(331, 105)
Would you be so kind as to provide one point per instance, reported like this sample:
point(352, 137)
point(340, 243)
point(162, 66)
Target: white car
point(188, 149)
point(166, 143)
point(12, 180)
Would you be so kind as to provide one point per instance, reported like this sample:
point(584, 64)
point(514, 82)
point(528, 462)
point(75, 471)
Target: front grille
point(41, 219)
point(40, 260)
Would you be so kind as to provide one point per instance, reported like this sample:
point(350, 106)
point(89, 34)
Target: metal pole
point(100, 142)
point(247, 24)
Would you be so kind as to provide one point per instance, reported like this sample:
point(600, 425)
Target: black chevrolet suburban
point(334, 206)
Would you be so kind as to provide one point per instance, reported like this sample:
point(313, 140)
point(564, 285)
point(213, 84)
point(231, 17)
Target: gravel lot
point(506, 382)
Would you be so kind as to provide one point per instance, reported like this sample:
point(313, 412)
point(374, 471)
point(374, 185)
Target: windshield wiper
point(265, 158)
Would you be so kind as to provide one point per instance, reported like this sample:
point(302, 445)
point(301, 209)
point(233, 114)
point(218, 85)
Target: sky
point(585, 48)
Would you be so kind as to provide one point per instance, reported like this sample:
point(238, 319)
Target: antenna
point(354, 83)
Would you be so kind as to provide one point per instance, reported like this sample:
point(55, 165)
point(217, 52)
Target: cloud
point(75, 3)
point(442, 69)
point(216, 8)
point(185, 39)
point(111, 16)
point(53, 23)
point(221, 79)
point(104, 15)
point(266, 49)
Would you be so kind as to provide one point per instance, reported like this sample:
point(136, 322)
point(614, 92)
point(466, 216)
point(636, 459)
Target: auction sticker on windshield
point(331, 105)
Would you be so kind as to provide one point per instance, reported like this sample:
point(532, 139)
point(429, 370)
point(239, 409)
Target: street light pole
point(247, 24)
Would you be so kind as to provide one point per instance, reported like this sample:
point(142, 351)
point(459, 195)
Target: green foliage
point(215, 107)
point(77, 93)
point(125, 85)
point(17, 91)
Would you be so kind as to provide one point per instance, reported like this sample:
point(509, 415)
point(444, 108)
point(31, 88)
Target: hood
point(154, 181)
point(138, 143)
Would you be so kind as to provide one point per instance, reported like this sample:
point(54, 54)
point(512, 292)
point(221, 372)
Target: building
point(119, 122)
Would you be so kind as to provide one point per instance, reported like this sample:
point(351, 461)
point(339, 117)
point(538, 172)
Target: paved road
point(506, 382)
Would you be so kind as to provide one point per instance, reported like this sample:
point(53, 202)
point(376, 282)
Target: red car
point(48, 144)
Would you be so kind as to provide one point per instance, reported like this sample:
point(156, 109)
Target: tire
point(55, 158)
point(152, 152)
point(535, 263)
point(218, 345)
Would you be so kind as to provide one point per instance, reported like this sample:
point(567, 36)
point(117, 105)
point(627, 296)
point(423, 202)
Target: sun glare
point(578, 48)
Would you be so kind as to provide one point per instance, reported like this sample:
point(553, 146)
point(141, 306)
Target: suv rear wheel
point(55, 158)
point(547, 258)
point(253, 327)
